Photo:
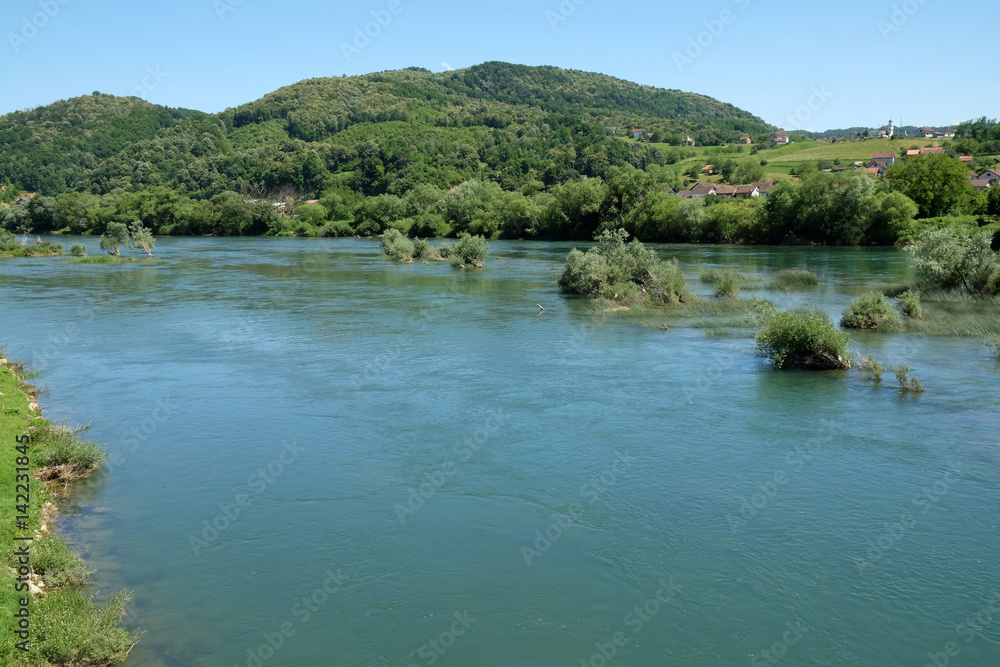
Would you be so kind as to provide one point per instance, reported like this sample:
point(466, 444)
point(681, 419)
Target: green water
point(665, 464)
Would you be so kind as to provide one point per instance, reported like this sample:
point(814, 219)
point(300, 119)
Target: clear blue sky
point(933, 65)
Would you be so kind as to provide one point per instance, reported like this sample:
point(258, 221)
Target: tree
point(747, 172)
point(231, 214)
point(312, 214)
point(938, 184)
point(71, 211)
point(142, 238)
point(117, 235)
point(950, 258)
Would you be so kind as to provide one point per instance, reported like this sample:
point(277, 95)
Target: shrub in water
point(469, 250)
point(906, 382)
point(870, 367)
point(422, 249)
point(630, 271)
point(803, 339)
point(787, 279)
point(911, 304)
point(869, 312)
point(727, 282)
point(78, 250)
point(397, 246)
point(728, 287)
point(994, 344)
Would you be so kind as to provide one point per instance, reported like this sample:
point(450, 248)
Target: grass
point(15, 249)
point(60, 567)
point(67, 628)
point(910, 301)
point(722, 318)
point(108, 259)
point(72, 630)
point(847, 152)
point(727, 282)
point(790, 279)
point(956, 314)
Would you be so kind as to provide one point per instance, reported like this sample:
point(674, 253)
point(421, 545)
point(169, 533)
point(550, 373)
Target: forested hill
point(374, 134)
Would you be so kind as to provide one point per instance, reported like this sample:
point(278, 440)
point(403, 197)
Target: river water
point(319, 457)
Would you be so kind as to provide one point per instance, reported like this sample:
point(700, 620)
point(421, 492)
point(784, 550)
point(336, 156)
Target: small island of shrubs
point(467, 251)
point(626, 273)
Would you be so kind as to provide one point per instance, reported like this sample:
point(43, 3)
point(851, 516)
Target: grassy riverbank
point(66, 627)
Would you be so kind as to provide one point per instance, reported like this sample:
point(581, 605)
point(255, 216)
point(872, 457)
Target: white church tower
point(891, 129)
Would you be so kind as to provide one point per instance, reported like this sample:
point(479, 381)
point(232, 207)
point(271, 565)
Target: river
point(319, 457)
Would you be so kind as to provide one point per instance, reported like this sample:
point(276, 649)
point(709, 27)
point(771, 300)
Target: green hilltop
point(373, 134)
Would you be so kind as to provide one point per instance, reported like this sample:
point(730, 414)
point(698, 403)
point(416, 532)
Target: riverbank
point(46, 616)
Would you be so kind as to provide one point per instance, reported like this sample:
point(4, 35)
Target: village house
point(992, 175)
point(612, 130)
point(638, 133)
point(888, 157)
point(761, 189)
point(688, 141)
point(877, 168)
point(702, 190)
point(967, 159)
point(745, 140)
point(981, 184)
point(780, 138)
point(931, 133)
point(708, 169)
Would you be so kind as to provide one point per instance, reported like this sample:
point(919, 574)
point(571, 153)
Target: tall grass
point(910, 301)
point(51, 558)
point(727, 282)
point(59, 448)
point(790, 279)
point(72, 630)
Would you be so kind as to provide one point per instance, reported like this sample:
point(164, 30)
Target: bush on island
point(623, 272)
point(803, 339)
point(870, 312)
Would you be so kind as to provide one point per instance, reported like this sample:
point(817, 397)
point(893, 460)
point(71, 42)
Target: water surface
point(428, 470)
